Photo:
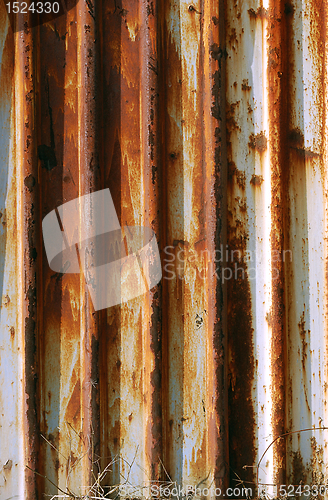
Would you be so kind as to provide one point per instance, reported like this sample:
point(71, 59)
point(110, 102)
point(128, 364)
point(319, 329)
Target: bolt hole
point(191, 8)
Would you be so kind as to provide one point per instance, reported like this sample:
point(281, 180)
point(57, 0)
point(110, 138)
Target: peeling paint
point(207, 122)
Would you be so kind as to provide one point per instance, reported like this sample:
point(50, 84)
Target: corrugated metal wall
point(207, 122)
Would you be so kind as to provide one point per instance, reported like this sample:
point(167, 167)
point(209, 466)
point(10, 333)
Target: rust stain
point(258, 142)
point(25, 95)
point(256, 180)
point(241, 366)
point(245, 86)
point(260, 13)
point(296, 142)
point(304, 335)
point(230, 112)
point(240, 176)
point(317, 474)
point(277, 71)
point(29, 182)
point(299, 473)
point(289, 9)
point(218, 424)
point(241, 362)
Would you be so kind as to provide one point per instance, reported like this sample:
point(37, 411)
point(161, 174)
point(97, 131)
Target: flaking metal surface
point(207, 122)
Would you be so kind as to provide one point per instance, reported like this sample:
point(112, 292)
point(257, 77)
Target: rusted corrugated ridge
point(207, 122)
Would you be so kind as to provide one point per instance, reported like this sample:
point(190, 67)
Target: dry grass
point(97, 490)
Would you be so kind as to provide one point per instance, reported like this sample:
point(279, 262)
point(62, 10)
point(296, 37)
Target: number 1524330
point(34, 7)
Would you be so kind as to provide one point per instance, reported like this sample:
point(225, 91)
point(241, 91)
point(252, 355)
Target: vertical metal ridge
point(50, 183)
point(194, 170)
point(306, 297)
point(132, 174)
point(152, 166)
point(243, 96)
point(110, 362)
point(278, 131)
point(173, 175)
point(26, 150)
point(217, 167)
point(89, 134)
point(12, 359)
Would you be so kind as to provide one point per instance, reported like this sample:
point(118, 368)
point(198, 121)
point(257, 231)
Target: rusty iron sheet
point(12, 368)
point(206, 120)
